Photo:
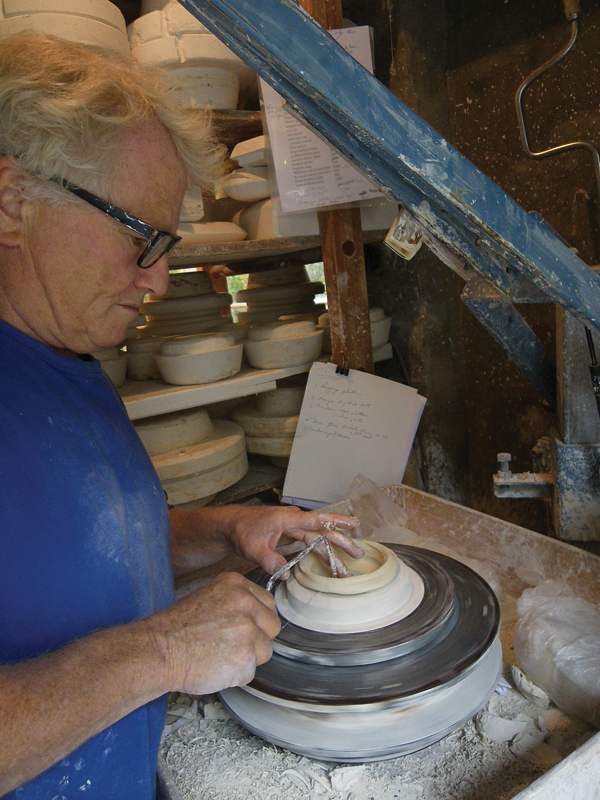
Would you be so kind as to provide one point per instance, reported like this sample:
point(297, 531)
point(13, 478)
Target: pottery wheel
point(380, 693)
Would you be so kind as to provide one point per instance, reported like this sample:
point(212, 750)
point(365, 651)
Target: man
point(94, 162)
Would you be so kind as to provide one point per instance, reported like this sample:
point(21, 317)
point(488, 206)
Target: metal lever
point(292, 563)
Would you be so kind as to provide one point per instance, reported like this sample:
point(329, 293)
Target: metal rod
point(563, 148)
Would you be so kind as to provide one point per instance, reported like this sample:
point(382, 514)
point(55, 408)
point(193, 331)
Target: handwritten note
point(309, 173)
point(349, 425)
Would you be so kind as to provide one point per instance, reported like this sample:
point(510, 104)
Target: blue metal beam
point(502, 320)
point(327, 89)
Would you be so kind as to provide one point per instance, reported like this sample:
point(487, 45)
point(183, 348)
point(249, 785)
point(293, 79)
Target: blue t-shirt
point(84, 544)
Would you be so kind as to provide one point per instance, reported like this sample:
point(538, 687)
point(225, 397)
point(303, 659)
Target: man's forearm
point(201, 537)
point(52, 704)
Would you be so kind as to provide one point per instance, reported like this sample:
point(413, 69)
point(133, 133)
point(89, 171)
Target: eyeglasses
point(158, 242)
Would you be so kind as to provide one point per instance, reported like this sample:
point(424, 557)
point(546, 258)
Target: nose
point(155, 279)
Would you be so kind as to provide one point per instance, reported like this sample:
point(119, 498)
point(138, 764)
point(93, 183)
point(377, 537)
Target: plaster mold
point(212, 358)
point(200, 305)
point(283, 344)
point(201, 69)
point(192, 208)
point(282, 276)
point(193, 233)
point(251, 152)
point(183, 326)
point(141, 365)
point(98, 24)
point(265, 219)
point(114, 364)
point(262, 297)
point(288, 312)
point(274, 447)
point(248, 185)
point(207, 484)
point(187, 284)
point(380, 330)
point(224, 443)
point(171, 432)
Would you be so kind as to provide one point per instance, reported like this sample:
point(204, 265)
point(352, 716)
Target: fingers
point(216, 637)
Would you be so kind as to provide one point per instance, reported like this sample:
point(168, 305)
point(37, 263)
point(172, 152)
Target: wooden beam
point(343, 255)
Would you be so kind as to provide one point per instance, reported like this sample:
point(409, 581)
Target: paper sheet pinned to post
point(352, 424)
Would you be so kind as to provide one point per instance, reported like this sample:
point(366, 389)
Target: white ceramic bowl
point(186, 370)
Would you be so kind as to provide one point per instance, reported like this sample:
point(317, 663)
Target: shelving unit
point(144, 399)
point(148, 398)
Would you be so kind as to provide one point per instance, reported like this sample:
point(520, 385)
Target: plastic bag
point(382, 520)
point(557, 642)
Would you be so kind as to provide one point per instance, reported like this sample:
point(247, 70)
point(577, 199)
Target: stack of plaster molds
point(250, 183)
point(283, 344)
point(202, 358)
point(95, 23)
point(191, 305)
point(380, 333)
point(114, 363)
point(263, 218)
point(272, 294)
point(270, 421)
point(194, 457)
point(202, 71)
point(194, 231)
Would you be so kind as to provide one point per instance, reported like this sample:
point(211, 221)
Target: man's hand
point(203, 536)
point(217, 636)
point(256, 530)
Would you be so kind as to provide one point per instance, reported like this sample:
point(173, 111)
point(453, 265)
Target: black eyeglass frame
point(152, 235)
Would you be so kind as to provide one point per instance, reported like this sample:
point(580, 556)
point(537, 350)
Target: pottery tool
point(321, 540)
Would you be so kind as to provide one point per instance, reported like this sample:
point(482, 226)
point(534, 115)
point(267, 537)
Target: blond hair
point(64, 108)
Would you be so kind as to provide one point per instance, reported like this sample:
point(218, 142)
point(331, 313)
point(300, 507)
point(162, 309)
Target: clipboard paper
point(352, 424)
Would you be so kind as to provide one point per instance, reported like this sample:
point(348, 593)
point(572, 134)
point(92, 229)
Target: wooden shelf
point(254, 250)
point(149, 398)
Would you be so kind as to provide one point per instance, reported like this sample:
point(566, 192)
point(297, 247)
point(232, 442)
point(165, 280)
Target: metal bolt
point(504, 459)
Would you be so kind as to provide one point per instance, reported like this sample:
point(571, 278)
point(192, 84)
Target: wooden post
point(343, 255)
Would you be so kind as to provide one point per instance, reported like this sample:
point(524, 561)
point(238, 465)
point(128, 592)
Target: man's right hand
point(216, 637)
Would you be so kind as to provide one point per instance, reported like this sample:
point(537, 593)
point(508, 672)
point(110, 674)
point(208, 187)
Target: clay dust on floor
point(213, 758)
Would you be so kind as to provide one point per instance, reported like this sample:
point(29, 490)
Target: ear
point(11, 204)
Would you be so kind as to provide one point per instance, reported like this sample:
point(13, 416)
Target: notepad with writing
point(349, 425)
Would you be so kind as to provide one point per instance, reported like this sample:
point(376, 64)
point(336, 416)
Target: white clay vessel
point(95, 23)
